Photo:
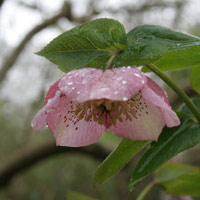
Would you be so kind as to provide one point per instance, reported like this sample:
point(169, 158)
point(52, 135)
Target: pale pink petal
point(157, 89)
point(52, 91)
point(40, 120)
point(159, 99)
point(147, 124)
point(116, 84)
point(68, 130)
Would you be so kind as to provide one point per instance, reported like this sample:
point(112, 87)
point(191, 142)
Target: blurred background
point(31, 168)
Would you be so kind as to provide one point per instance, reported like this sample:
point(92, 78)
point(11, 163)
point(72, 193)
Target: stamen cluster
point(105, 111)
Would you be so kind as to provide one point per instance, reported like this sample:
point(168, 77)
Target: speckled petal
point(116, 84)
point(68, 130)
point(154, 96)
point(147, 124)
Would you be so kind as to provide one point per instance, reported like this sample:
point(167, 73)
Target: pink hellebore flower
point(83, 104)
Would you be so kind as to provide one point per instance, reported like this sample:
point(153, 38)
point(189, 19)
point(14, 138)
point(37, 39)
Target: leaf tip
point(133, 182)
point(131, 187)
point(39, 53)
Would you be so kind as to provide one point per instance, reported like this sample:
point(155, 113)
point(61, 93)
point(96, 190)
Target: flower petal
point(40, 120)
point(68, 130)
point(155, 96)
point(116, 84)
point(52, 91)
point(147, 124)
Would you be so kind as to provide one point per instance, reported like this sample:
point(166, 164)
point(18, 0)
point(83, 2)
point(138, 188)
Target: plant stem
point(145, 191)
point(110, 61)
point(178, 90)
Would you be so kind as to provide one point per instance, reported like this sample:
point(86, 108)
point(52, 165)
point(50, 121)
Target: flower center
point(106, 112)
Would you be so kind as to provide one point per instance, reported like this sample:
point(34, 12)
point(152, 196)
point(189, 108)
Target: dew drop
point(138, 75)
point(78, 92)
point(119, 78)
point(70, 83)
point(125, 98)
point(73, 88)
point(124, 82)
point(116, 92)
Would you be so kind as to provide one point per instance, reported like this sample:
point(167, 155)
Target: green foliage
point(89, 45)
point(92, 45)
point(77, 196)
point(117, 159)
point(167, 48)
point(171, 142)
point(185, 112)
point(195, 77)
point(179, 179)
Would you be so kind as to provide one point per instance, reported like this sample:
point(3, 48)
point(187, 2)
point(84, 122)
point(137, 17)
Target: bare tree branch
point(32, 156)
point(65, 12)
point(1, 3)
point(148, 5)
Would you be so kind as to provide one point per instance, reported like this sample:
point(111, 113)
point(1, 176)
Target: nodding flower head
point(84, 103)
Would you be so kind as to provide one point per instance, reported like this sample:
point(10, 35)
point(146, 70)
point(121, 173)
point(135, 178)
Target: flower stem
point(110, 61)
point(178, 90)
point(145, 191)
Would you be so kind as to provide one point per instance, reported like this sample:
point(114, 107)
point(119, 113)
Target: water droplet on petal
point(119, 78)
point(70, 83)
point(138, 75)
point(125, 98)
point(124, 82)
point(73, 88)
point(78, 92)
point(143, 81)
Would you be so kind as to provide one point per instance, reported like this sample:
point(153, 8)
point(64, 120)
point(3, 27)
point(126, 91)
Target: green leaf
point(195, 77)
point(171, 142)
point(179, 179)
point(89, 45)
point(167, 48)
point(117, 159)
point(180, 59)
point(186, 112)
point(77, 196)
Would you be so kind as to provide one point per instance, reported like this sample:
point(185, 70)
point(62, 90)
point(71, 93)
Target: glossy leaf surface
point(89, 45)
point(195, 77)
point(167, 48)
